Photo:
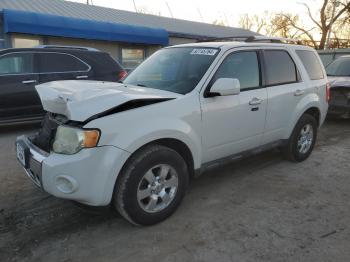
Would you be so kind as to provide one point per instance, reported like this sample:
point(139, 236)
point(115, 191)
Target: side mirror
point(225, 87)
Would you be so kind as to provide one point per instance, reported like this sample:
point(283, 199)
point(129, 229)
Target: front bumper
point(87, 176)
point(340, 111)
point(339, 106)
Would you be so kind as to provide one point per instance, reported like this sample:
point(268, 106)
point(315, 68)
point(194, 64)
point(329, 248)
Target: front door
point(232, 124)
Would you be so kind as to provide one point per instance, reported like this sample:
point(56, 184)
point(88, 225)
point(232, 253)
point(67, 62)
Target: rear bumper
point(87, 176)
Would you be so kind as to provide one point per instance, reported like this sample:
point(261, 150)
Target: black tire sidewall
point(304, 120)
point(134, 172)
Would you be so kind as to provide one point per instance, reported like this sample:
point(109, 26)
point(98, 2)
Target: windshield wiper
point(141, 85)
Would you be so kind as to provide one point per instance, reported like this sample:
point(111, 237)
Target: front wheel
point(302, 140)
point(151, 185)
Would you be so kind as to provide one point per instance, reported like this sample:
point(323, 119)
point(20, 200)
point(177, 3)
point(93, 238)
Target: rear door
point(54, 66)
point(285, 89)
point(18, 77)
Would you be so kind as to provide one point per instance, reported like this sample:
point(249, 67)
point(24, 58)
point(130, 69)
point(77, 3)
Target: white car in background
point(136, 145)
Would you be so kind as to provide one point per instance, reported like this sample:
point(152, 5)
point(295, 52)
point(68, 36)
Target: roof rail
point(250, 39)
point(272, 39)
point(68, 47)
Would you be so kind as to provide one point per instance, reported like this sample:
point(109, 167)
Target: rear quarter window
point(280, 68)
point(102, 63)
point(311, 63)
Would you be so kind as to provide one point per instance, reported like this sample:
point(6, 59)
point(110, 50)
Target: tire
point(294, 150)
point(151, 185)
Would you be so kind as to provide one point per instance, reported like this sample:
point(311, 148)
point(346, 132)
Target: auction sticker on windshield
point(204, 51)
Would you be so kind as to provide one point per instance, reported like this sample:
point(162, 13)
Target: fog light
point(66, 184)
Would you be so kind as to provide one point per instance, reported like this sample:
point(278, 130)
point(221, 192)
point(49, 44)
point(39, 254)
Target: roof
point(175, 27)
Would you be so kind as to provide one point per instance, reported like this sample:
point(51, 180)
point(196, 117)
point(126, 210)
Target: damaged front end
point(43, 139)
point(339, 105)
point(72, 104)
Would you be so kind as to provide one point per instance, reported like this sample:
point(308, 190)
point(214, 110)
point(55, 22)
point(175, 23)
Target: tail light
point(328, 92)
point(122, 75)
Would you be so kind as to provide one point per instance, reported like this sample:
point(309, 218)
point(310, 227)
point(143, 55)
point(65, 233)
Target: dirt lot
point(259, 209)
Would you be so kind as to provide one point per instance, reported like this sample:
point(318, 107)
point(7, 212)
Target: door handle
point(28, 82)
point(255, 101)
point(299, 92)
point(81, 77)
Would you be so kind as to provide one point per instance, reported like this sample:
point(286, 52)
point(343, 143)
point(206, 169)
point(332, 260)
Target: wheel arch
point(315, 112)
point(309, 105)
point(176, 144)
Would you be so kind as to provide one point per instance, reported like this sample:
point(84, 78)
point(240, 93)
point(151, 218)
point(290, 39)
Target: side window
point(16, 63)
point(311, 64)
point(241, 65)
point(280, 68)
point(60, 63)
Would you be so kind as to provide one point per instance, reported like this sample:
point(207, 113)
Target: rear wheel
point(151, 185)
point(302, 140)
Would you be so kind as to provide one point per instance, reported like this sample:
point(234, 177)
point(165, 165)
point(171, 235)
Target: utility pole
point(200, 13)
point(171, 13)
point(134, 5)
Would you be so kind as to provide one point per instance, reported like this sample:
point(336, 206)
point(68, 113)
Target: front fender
point(136, 134)
point(307, 102)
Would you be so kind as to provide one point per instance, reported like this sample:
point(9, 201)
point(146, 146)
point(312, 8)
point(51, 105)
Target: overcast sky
point(208, 11)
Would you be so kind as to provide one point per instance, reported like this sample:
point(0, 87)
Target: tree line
point(329, 24)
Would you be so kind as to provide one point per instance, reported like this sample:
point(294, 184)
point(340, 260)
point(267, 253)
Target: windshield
point(340, 67)
point(173, 69)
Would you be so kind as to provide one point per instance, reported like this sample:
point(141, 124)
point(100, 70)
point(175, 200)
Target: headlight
point(70, 140)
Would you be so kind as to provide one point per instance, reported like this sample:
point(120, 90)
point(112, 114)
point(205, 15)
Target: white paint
point(211, 127)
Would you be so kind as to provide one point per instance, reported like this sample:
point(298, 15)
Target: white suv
point(135, 145)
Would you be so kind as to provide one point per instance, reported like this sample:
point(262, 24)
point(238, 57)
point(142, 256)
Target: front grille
point(44, 138)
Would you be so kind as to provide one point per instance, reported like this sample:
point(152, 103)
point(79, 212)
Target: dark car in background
point(338, 73)
point(22, 69)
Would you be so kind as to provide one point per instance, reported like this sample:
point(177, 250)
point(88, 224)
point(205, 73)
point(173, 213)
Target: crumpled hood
point(79, 100)
point(339, 81)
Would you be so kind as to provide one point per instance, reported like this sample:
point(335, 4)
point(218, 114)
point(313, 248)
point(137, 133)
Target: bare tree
point(259, 24)
point(293, 21)
point(219, 22)
point(329, 13)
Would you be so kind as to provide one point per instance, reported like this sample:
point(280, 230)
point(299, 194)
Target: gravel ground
point(260, 209)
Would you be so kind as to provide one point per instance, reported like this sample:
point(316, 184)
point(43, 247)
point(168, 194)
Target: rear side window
point(241, 65)
point(16, 63)
point(60, 63)
point(311, 64)
point(280, 68)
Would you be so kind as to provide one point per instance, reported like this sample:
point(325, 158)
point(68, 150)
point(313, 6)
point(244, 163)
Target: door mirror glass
point(225, 87)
